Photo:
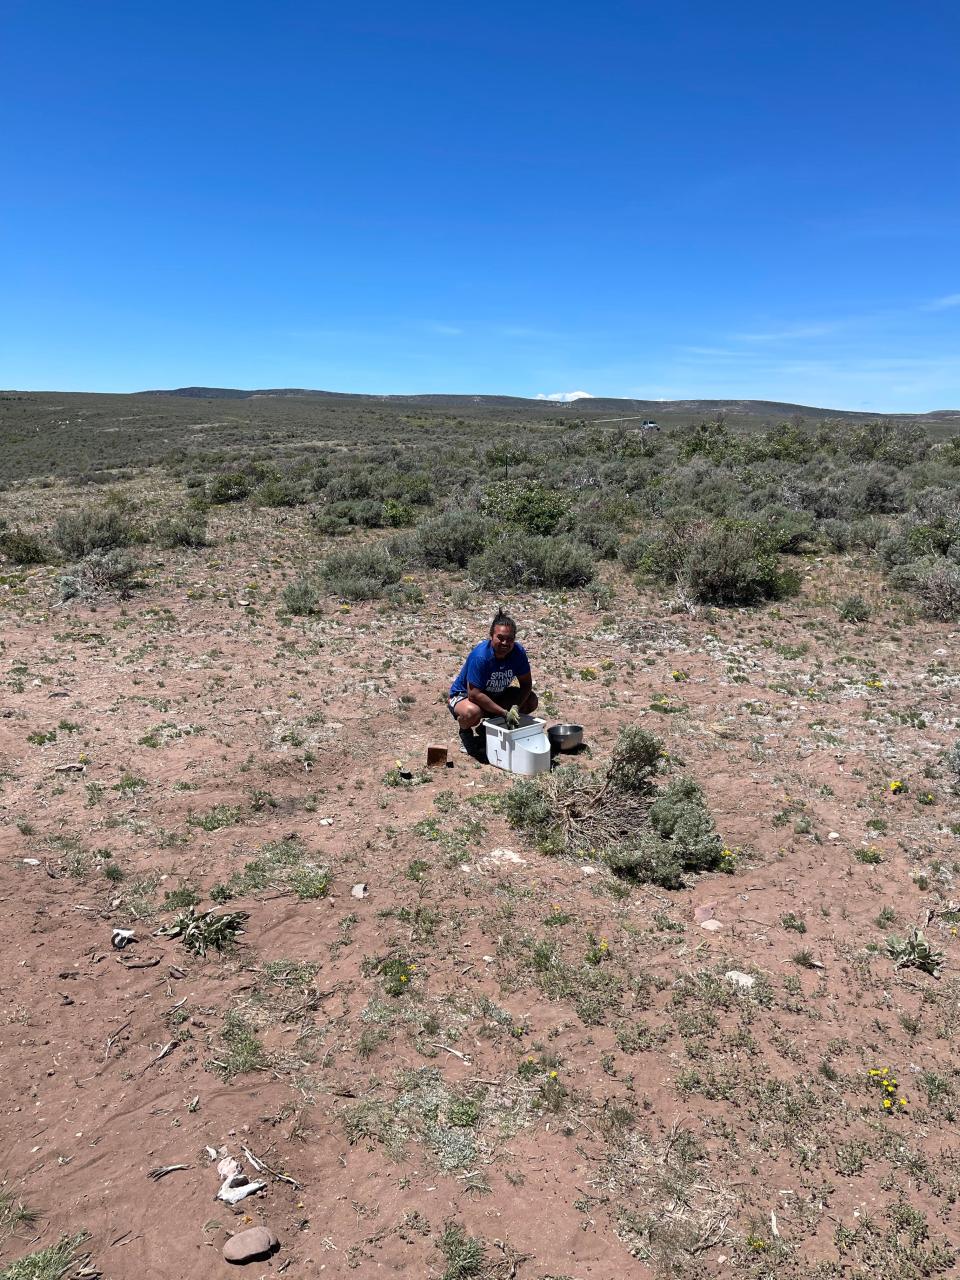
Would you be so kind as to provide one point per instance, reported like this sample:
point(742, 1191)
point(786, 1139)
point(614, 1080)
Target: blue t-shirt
point(490, 674)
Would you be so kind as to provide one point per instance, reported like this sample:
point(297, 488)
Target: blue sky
point(630, 199)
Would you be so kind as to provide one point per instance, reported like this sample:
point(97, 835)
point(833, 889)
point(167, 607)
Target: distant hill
point(588, 408)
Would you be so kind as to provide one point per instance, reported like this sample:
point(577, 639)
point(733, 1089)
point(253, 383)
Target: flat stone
point(256, 1242)
point(743, 981)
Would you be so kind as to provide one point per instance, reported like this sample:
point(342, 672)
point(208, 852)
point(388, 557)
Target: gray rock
point(256, 1242)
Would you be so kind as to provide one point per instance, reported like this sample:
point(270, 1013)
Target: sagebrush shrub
point(279, 491)
point(636, 756)
point(732, 564)
point(303, 597)
point(78, 533)
point(533, 562)
point(527, 506)
point(22, 548)
point(100, 573)
point(361, 573)
point(230, 486)
point(181, 531)
point(854, 609)
point(450, 541)
point(936, 580)
point(680, 815)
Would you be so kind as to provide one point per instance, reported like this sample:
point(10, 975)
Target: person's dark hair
point(502, 619)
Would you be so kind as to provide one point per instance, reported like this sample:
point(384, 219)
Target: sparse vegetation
point(498, 995)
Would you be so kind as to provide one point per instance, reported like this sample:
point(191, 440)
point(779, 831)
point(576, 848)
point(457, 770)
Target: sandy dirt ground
point(518, 1045)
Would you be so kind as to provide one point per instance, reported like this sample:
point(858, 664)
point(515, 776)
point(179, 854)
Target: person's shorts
point(506, 698)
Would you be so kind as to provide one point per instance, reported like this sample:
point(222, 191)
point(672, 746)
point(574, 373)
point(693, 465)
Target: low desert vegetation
point(689, 996)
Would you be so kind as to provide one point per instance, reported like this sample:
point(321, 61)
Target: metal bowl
point(565, 737)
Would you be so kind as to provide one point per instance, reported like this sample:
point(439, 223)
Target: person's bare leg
point(468, 715)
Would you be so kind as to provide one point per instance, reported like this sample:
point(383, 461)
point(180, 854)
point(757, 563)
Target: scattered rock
point(500, 858)
point(704, 912)
point(229, 1167)
point(256, 1242)
point(31, 862)
point(834, 835)
point(711, 926)
point(742, 981)
point(121, 937)
point(359, 891)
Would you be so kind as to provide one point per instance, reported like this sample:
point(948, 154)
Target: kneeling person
point(482, 688)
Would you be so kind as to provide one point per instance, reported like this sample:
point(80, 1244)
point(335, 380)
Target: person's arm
point(526, 691)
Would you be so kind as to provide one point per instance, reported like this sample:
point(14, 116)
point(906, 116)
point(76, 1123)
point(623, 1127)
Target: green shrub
point(22, 548)
point(100, 573)
point(783, 529)
point(936, 580)
point(397, 514)
point(636, 756)
point(181, 531)
point(366, 513)
point(533, 562)
point(449, 541)
point(639, 554)
point(302, 597)
point(328, 525)
point(838, 534)
point(78, 533)
point(854, 609)
point(363, 573)
point(229, 486)
point(602, 539)
point(527, 809)
point(732, 564)
point(680, 815)
point(647, 859)
point(527, 506)
point(279, 491)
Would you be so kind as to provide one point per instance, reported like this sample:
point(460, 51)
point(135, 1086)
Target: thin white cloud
point(783, 335)
point(448, 330)
point(564, 397)
point(942, 304)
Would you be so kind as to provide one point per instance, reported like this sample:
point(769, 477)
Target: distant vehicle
point(649, 425)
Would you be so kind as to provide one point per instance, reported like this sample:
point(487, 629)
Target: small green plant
point(222, 815)
point(854, 609)
point(870, 854)
point(915, 952)
point(181, 898)
point(52, 1263)
point(242, 1051)
point(309, 882)
point(14, 1214)
point(465, 1257)
point(199, 932)
point(794, 923)
point(397, 972)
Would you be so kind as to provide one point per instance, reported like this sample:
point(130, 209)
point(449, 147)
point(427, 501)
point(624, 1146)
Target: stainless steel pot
point(565, 737)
